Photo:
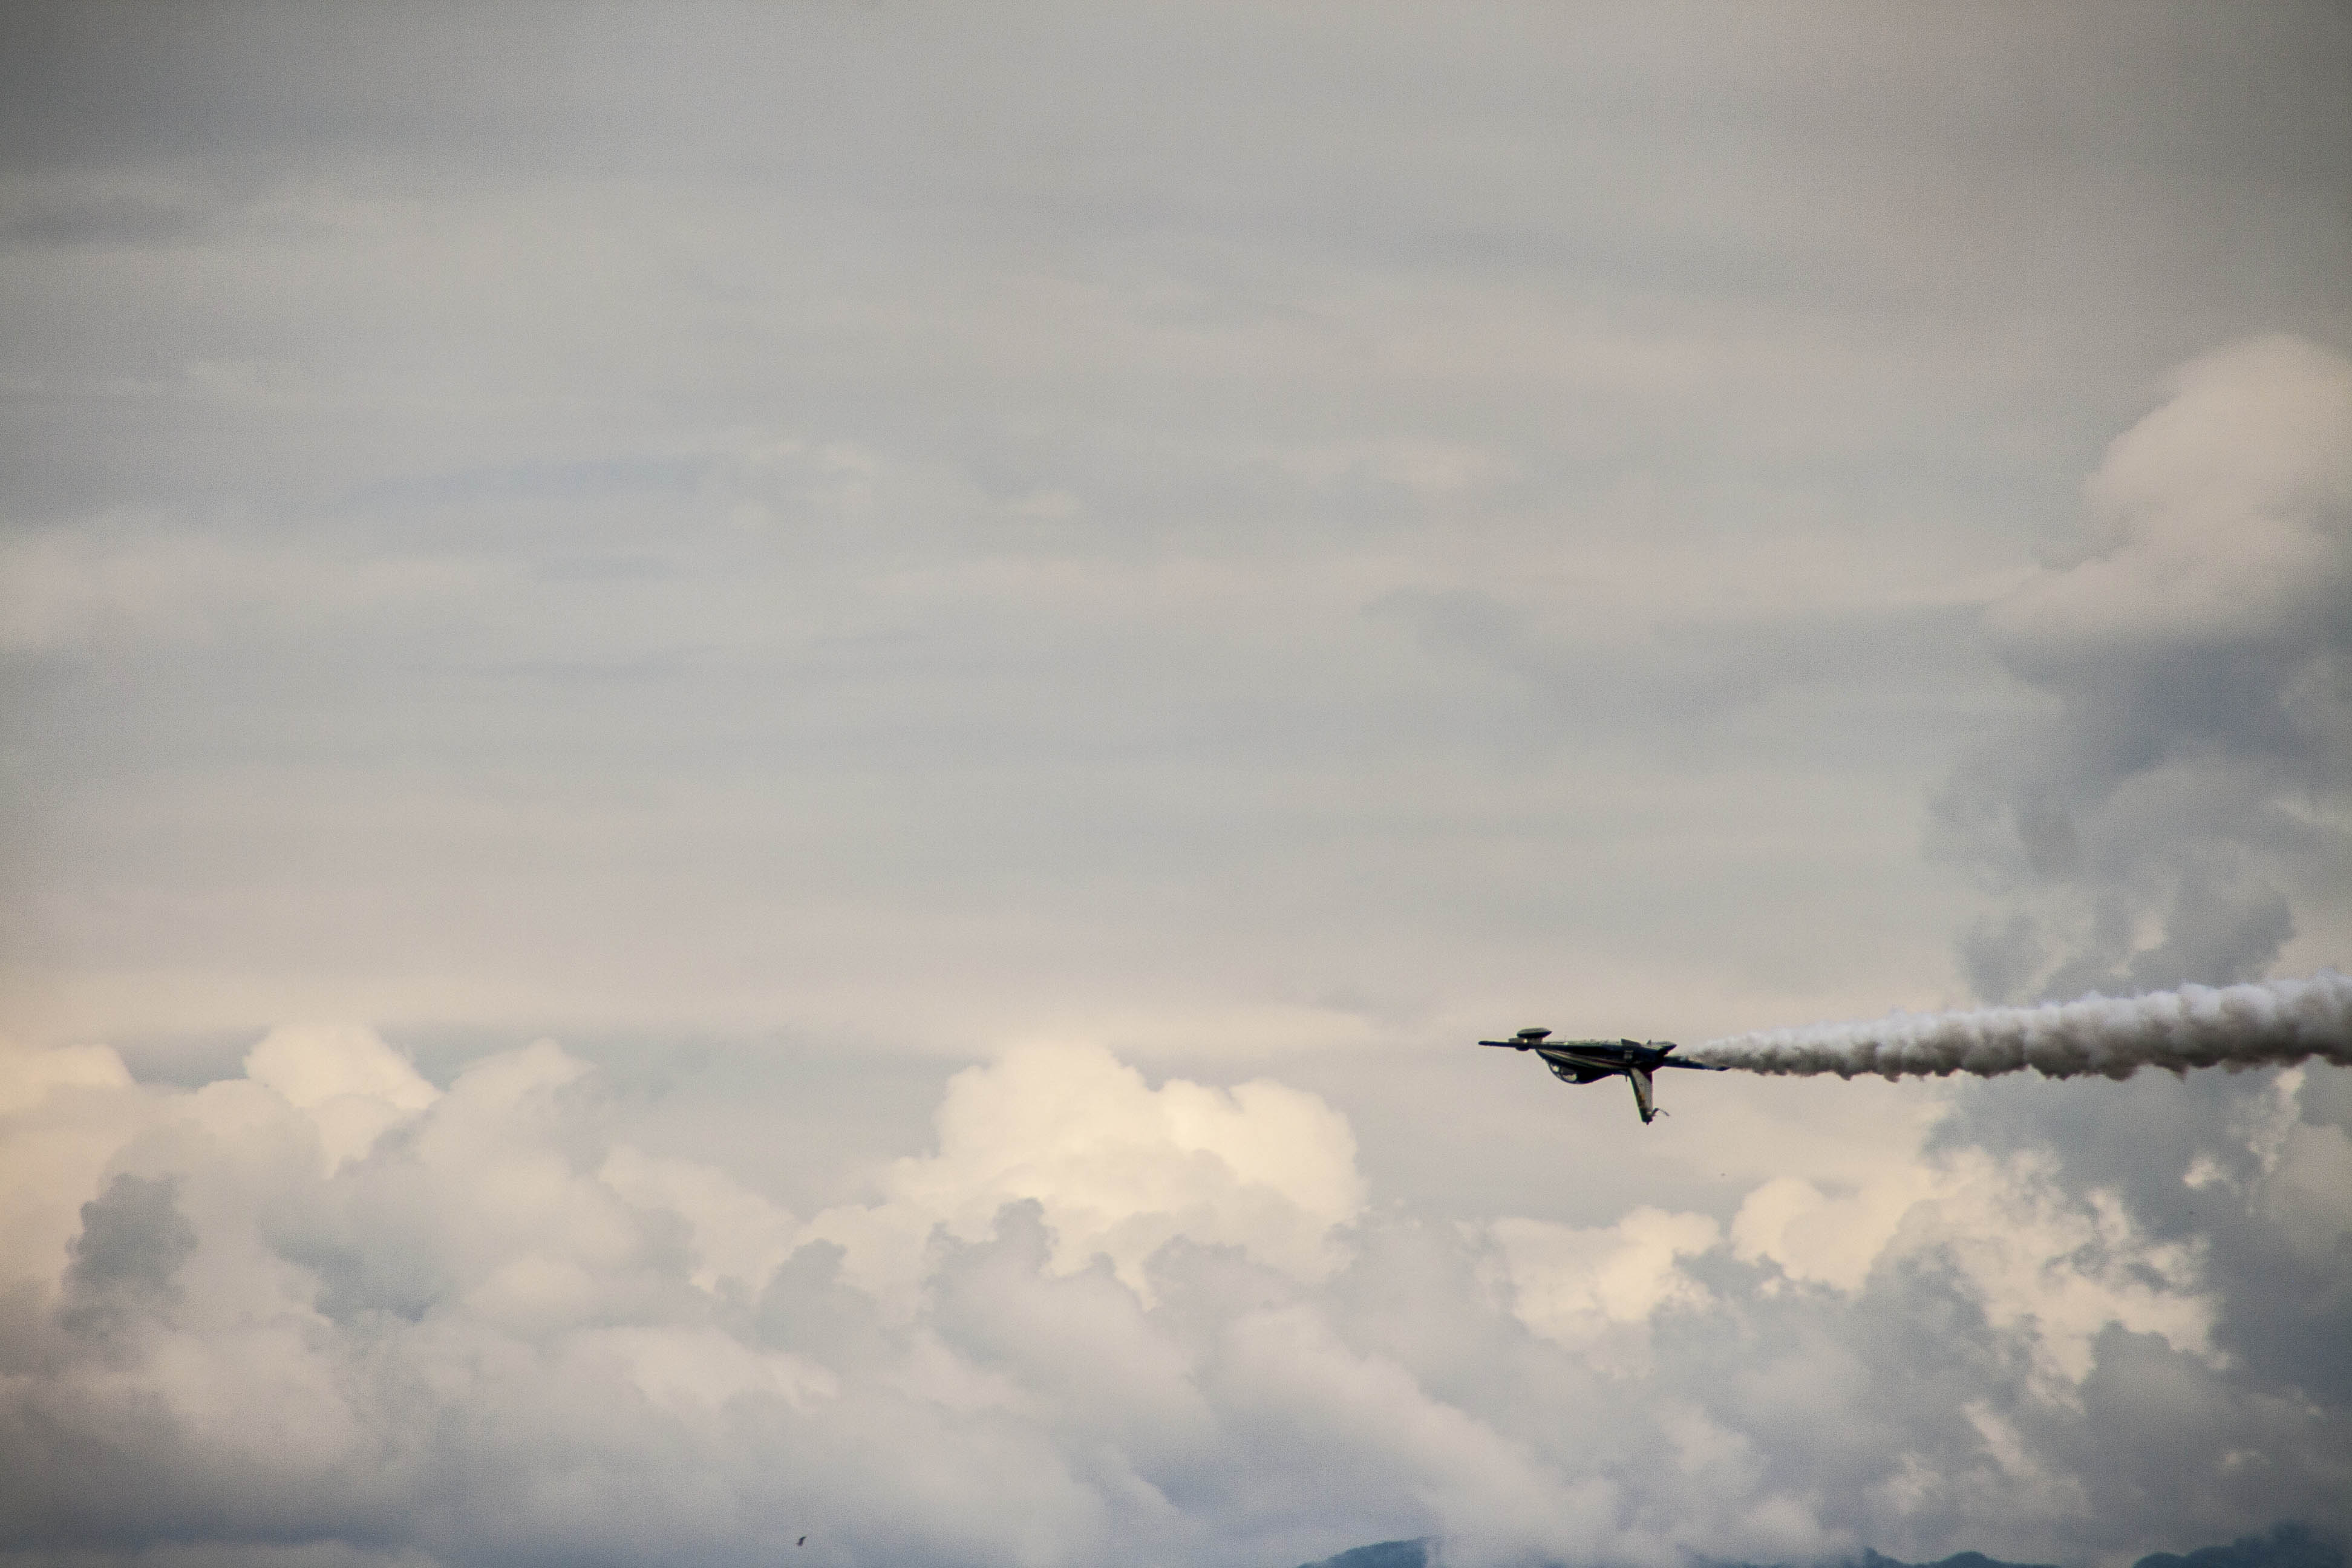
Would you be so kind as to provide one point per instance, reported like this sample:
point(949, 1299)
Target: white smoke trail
point(2272, 1022)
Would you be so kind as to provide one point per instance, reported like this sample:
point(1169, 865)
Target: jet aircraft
point(1588, 1061)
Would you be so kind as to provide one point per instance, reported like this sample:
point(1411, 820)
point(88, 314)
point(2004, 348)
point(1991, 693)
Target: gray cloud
point(126, 1260)
point(2197, 654)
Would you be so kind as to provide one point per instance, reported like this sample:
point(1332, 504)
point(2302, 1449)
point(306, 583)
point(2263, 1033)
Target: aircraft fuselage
point(1588, 1061)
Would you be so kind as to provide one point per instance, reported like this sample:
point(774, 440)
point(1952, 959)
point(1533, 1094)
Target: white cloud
point(696, 1372)
point(1831, 1240)
point(2051, 1271)
point(2224, 516)
point(2056, 1272)
point(1159, 1316)
point(1119, 1168)
point(739, 1235)
point(346, 1080)
point(63, 1114)
point(28, 1078)
point(1574, 1284)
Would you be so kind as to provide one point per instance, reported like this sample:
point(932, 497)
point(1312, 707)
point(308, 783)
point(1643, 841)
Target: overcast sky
point(925, 591)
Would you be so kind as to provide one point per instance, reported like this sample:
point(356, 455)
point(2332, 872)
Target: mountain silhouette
point(2287, 1546)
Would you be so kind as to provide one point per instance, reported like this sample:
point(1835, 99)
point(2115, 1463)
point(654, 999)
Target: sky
point(764, 764)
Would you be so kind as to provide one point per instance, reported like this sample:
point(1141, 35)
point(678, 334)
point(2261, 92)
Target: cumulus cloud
point(2223, 517)
point(134, 1239)
point(353, 1085)
point(2156, 824)
point(1118, 1169)
point(1583, 1285)
point(331, 1312)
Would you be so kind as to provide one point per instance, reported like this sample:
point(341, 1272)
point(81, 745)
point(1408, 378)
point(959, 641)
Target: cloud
point(347, 1080)
point(1117, 1168)
point(2182, 798)
point(133, 581)
point(126, 1260)
point(1575, 1284)
point(2223, 519)
point(848, 526)
point(934, 458)
point(1159, 1322)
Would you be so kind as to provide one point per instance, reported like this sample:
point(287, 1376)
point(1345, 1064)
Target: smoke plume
point(2270, 1023)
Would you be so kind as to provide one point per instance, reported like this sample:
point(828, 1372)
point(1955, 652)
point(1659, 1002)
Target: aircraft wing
point(1640, 1077)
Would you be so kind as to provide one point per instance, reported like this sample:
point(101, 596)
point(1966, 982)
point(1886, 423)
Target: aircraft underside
point(1590, 1061)
point(1581, 1073)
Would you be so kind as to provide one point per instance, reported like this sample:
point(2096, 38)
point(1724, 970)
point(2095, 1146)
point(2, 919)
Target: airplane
point(1588, 1061)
